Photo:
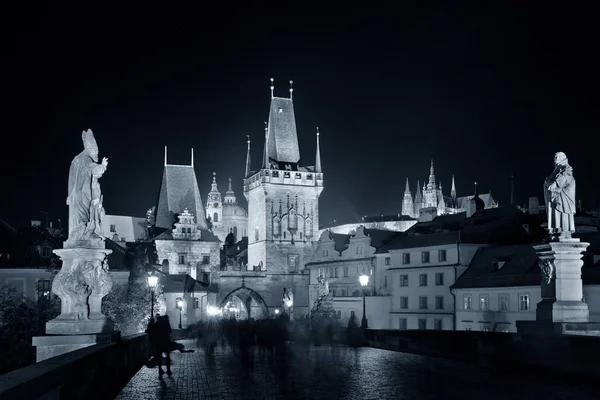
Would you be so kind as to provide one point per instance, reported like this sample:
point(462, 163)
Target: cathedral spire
point(266, 152)
point(408, 207)
point(318, 158)
point(213, 187)
point(431, 184)
point(407, 189)
point(453, 189)
point(165, 156)
point(248, 164)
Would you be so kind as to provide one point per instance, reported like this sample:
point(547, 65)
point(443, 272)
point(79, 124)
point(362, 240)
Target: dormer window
point(497, 265)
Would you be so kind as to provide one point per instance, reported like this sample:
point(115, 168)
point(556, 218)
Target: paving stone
point(338, 373)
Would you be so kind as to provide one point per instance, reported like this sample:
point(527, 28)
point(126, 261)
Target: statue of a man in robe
point(559, 195)
point(84, 196)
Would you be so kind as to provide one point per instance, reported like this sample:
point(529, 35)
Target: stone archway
point(248, 298)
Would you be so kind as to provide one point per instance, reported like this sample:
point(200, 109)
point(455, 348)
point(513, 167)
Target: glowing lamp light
point(180, 304)
point(212, 310)
point(276, 312)
point(364, 280)
point(289, 303)
point(152, 281)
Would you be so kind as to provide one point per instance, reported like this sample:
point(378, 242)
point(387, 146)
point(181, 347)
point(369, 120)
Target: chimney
point(534, 206)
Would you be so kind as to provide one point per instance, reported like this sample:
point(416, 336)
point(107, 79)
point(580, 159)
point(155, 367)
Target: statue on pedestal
point(84, 195)
point(83, 278)
point(323, 306)
point(559, 195)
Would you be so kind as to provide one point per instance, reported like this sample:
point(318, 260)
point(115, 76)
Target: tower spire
point(165, 156)
point(291, 90)
point(512, 190)
point(407, 189)
point(453, 189)
point(229, 189)
point(248, 164)
point(266, 153)
point(213, 187)
point(318, 157)
point(272, 87)
point(192, 157)
point(431, 184)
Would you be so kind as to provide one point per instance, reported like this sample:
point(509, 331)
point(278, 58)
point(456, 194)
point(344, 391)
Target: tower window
point(182, 259)
point(113, 228)
point(216, 217)
point(256, 234)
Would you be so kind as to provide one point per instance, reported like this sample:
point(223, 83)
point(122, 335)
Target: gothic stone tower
point(283, 210)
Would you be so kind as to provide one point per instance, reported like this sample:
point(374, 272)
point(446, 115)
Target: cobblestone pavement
point(339, 373)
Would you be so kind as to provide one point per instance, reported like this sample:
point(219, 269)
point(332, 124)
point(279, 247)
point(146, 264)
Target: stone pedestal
point(81, 283)
point(562, 309)
point(55, 345)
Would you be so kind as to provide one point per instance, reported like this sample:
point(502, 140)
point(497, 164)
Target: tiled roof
point(282, 136)
point(378, 238)
point(179, 190)
point(183, 283)
point(520, 269)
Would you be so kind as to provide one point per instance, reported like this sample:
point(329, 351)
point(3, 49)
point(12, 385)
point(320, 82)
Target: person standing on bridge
point(162, 342)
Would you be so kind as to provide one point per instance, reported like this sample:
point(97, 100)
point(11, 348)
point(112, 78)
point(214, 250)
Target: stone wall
point(576, 355)
point(95, 372)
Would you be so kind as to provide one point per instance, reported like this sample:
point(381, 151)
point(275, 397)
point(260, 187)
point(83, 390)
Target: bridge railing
point(96, 372)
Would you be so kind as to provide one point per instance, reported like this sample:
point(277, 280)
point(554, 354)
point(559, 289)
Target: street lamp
point(364, 281)
point(180, 306)
point(152, 283)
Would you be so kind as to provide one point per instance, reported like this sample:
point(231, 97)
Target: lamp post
point(152, 283)
point(364, 281)
point(180, 306)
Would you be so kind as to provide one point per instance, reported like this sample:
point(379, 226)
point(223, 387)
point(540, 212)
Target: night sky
point(484, 90)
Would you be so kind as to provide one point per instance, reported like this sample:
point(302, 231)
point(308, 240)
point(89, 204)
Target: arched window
point(215, 217)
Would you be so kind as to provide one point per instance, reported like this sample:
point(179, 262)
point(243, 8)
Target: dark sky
point(485, 90)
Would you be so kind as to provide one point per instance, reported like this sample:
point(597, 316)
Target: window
point(422, 324)
point(286, 174)
point(402, 323)
point(403, 280)
point(337, 272)
point(300, 235)
point(284, 234)
point(404, 302)
point(503, 302)
point(206, 260)
point(523, 302)
point(422, 279)
point(46, 251)
point(422, 302)
point(339, 314)
point(352, 315)
point(256, 234)
point(205, 277)
point(182, 259)
point(385, 281)
point(177, 300)
point(467, 300)
point(441, 255)
point(388, 261)
point(439, 302)
point(345, 272)
point(439, 279)
point(113, 228)
point(406, 258)
point(196, 304)
point(298, 175)
point(215, 217)
point(44, 287)
point(425, 257)
point(467, 328)
point(484, 302)
point(437, 324)
point(292, 262)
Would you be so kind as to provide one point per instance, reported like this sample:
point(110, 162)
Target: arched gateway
point(245, 303)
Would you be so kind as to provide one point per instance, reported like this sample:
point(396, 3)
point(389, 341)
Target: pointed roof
point(179, 190)
point(282, 138)
point(431, 184)
point(407, 189)
point(248, 163)
point(214, 194)
point(318, 157)
point(453, 189)
point(418, 195)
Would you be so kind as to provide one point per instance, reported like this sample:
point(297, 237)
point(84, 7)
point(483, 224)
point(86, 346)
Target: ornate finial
point(214, 177)
point(272, 87)
point(317, 131)
point(230, 185)
point(291, 90)
point(248, 137)
point(266, 128)
point(192, 157)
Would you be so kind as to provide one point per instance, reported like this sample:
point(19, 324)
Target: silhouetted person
point(163, 339)
point(151, 331)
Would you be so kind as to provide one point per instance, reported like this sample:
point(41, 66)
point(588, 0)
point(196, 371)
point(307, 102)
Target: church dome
point(234, 210)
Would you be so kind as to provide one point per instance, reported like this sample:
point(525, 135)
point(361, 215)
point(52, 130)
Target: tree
point(128, 306)
point(21, 319)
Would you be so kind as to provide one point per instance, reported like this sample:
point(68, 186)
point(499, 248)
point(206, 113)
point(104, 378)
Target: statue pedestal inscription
point(83, 279)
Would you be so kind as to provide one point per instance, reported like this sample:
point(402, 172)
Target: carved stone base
point(52, 346)
point(558, 328)
point(81, 327)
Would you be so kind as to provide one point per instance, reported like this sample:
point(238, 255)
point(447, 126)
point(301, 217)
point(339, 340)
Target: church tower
point(407, 202)
point(283, 197)
point(430, 193)
point(418, 200)
point(214, 204)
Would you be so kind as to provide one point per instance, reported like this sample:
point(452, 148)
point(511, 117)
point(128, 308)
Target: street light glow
point(180, 303)
point(152, 281)
point(289, 303)
point(212, 310)
point(364, 280)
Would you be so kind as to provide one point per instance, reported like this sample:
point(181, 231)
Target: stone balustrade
point(98, 371)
